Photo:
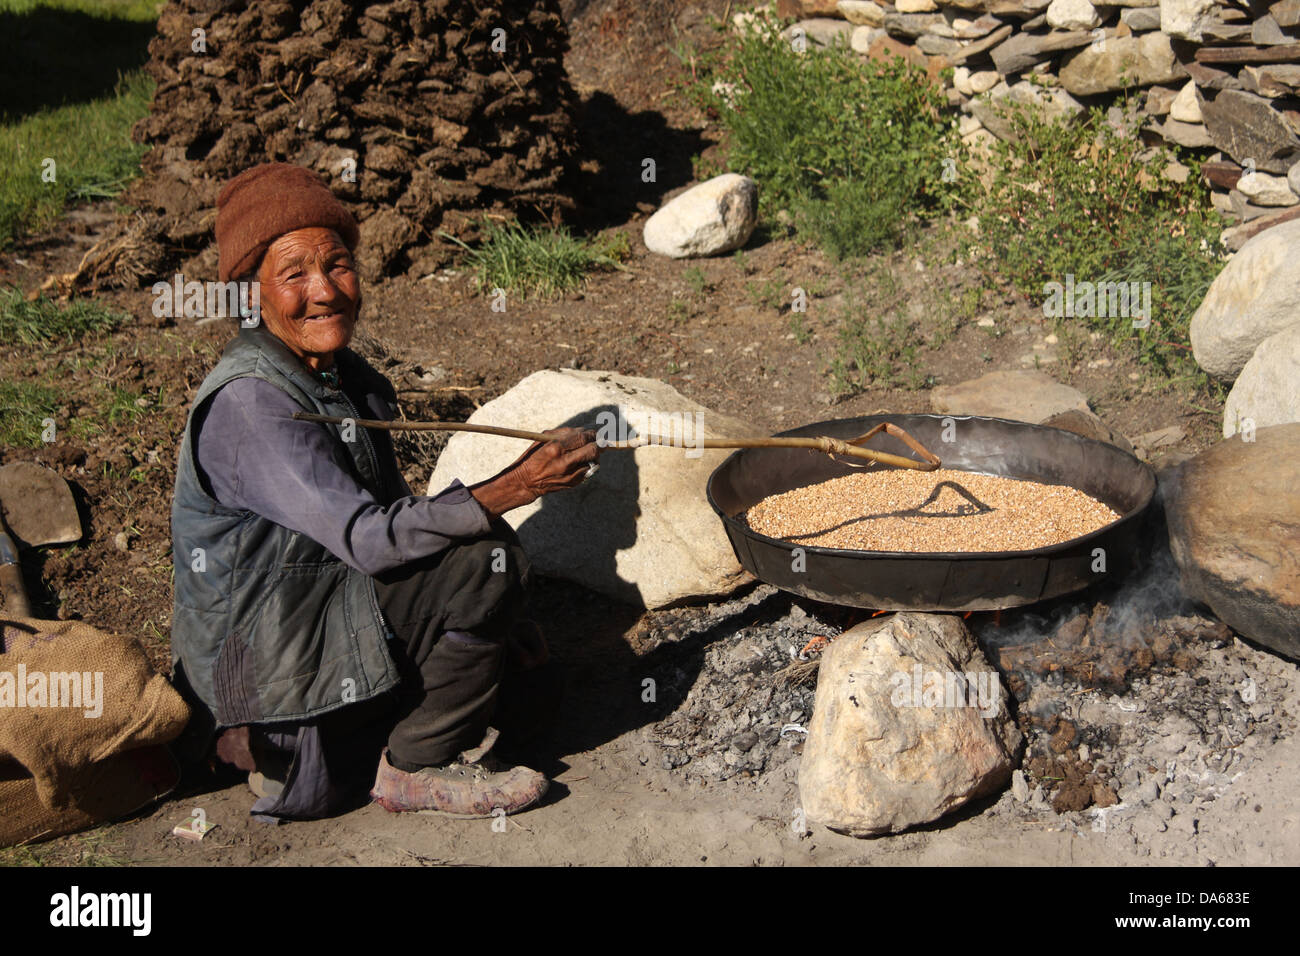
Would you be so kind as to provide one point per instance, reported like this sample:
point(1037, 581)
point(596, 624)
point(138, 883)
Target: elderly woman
point(337, 634)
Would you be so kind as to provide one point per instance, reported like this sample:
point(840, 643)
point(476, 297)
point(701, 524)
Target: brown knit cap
point(263, 203)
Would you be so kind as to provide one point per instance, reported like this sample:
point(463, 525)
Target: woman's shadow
point(579, 533)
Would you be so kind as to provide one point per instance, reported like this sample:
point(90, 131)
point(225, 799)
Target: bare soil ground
point(722, 332)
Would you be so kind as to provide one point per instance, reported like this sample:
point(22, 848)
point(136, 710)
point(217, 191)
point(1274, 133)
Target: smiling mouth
point(324, 315)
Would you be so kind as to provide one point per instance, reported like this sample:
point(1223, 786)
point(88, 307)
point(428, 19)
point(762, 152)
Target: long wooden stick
point(831, 446)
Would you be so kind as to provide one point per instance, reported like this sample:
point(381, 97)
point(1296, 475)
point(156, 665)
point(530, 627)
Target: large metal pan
point(946, 581)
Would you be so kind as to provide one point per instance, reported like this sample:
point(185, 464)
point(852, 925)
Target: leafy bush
point(1091, 201)
point(849, 148)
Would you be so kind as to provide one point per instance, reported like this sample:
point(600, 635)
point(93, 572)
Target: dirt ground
point(722, 332)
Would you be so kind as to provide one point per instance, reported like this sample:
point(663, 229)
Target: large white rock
point(863, 38)
point(894, 740)
point(1187, 19)
point(961, 81)
point(818, 31)
point(716, 216)
point(1256, 295)
point(1072, 15)
point(640, 529)
point(1267, 392)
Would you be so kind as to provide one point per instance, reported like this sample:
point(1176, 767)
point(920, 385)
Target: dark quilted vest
point(269, 625)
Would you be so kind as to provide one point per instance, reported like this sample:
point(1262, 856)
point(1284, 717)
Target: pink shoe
point(472, 788)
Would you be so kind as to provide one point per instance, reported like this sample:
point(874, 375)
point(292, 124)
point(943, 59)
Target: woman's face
point(309, 294)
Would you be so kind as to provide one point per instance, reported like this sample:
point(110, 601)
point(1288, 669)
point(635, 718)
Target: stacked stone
point(1212, 75)
point(422, 114)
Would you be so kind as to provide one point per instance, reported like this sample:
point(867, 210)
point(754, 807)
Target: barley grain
point(917, 511)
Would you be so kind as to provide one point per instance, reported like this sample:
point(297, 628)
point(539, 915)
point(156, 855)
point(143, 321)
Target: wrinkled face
point(310, 294)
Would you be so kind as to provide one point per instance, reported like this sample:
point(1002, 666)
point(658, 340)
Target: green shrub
point(853, 219)
point(1090, 201)
point(849, 148)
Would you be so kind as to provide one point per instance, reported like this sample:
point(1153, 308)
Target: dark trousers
point(454, 620)
point(453, 615)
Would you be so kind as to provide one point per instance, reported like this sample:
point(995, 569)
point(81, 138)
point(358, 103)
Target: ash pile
point(1121, 697)
point(1138, 724)
point(1138, 712)
point(735, 693)
point(423, 115)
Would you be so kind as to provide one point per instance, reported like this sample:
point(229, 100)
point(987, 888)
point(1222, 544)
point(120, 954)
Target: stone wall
point(1216, 76)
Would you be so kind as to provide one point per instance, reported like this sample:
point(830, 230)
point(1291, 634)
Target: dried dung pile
point(423, 114)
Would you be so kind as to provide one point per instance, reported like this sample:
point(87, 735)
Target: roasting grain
point(917, 511)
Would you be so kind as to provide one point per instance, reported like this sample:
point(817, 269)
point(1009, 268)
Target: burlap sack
point(108, 790)
point(67, 749)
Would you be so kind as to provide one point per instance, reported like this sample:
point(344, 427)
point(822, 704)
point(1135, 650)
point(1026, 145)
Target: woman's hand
point(559, 463)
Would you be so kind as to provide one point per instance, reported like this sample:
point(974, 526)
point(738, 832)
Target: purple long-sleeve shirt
point(253, 455)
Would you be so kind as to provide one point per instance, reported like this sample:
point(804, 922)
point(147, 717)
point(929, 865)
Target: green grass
point(849, 148)
point(771, 292)
point(73, 83)
point(535, 262)
point(57, 52)
point(25, 405)
point(678, 311)
point(45, 320)
point(697, 281)
point(23, 408)
point(20, 856)
point(91, 848)
point(91, 149)
point(875, 352)
point(123, 405)
point(1087, 201)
